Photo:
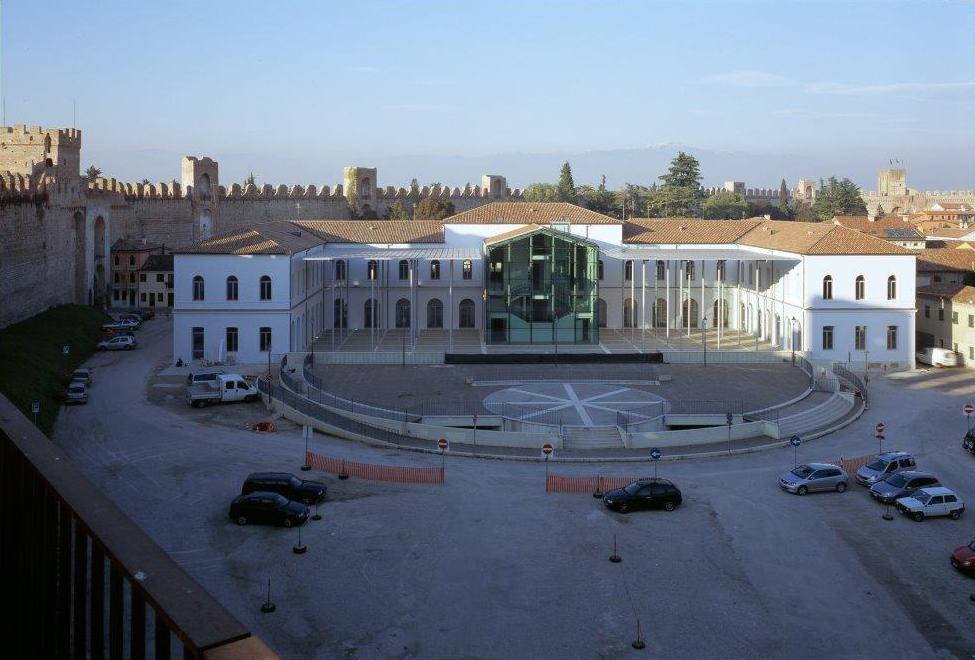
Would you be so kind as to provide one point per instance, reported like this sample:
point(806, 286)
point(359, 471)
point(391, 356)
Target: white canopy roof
point(332, 252)
point(730, 253)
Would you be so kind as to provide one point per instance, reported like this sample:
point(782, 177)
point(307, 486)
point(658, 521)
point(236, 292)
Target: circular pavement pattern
point(573, 404)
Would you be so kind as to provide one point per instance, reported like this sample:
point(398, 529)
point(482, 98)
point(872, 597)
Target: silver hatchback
point(814, 477)
point(885, 465)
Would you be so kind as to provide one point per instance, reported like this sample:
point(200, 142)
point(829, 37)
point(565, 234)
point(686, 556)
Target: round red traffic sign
point(546, 449)
point(442, 443)
point(969, 408)
point(268, 377)
point(880, 427)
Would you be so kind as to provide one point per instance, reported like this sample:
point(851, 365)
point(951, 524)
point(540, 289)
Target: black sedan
point(968, 443)
point(284, 483)
point(267, 508)
point(644, 494)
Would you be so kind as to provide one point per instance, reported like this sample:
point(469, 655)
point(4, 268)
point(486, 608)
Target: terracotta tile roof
point(527, 229)
point(523, 213)
point(813, 238)
point(940, 290)
point(133, 245)
point(950, 232)
point(944, 259)
point(965, 295)
point(280, 237)
point(685, 230)
point(888, 227)
point(158, 262)
point(375, 231)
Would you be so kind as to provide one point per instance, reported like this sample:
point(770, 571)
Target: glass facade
point(542, 288)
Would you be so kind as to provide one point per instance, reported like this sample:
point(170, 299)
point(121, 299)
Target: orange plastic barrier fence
point(851, 465)
point(559, 484)
point(412, 475)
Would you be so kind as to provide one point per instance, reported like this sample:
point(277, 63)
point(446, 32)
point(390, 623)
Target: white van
point(937, 357)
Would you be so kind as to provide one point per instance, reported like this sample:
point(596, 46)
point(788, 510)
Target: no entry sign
point(969, 409)
point(547, 449)
point(880, 428)
point(442, 444)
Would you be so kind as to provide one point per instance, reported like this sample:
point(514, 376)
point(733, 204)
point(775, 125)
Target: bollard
point(317, 516)
point(267, 607)
point(598, 492)
point(299, 548)
point(887, 515)
point(343, 475)
point(615, 558)
point(638, 642)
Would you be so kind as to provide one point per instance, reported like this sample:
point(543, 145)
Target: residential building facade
point(946, 319)
point(156, 281)
point(127, 258)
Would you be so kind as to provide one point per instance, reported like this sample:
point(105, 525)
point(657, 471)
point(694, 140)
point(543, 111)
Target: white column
point(667, 291)
point(450, 316)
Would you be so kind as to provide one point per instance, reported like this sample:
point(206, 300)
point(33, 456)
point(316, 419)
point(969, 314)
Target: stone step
point(591, 437)
point(822, 415)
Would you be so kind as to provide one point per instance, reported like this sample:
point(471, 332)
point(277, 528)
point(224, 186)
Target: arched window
point(628, 270)
point(690, 315)
point(466, 313)
point(661, 274)
point(204, 185)
point(364, 188)
point(435, 270)
point(402, 313)
point(689, 270)
point(435, 314)
point(891, 288)
point(660, 313)
point(828, 287)
point(719, 311)
point(599, 268)
point(629, 313)
point(340, 314)
point(116, 260)
point(372, 313)
point(601, 313)
point(372, 270)
point(404, 269)
point(340, 271)
point(861, 287)
point(131, 259)
point(198, 293)
point(232, 288)
point(467, 272)
point(265, 287)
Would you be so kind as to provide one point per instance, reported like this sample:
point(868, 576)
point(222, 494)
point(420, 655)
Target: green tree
point(540, 192)
point(681, 194)
point(600, 199)
point(838, 198)
point(352, 197)
point(250, 181)
point(432, 208)
point(784, 199)
point(725, 205)
point(93, 172)
point(763, 208)
point(397, 212)
point(566, 189)
point(634, 199)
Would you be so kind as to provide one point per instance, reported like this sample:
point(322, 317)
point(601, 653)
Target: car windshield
point(803, 471)
point(295, 482)
point(922, 497)
point(76, 390)
point(81, 374)
point(897, 480)
point(633, 488)
point(877, 465)
point(279, 500)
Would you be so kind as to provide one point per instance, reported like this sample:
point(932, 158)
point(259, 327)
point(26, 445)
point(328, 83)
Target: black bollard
point(615, 558)
point(268, 606)
point(299, 548)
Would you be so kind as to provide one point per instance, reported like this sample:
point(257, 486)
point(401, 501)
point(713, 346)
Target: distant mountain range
point(954, 169)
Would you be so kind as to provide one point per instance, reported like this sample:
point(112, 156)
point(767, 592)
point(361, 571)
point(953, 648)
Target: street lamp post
point(704, 338)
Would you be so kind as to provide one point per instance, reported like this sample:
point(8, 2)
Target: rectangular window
point(116, 278)
point(954, 347)
point(941, 314)
point(265, 339)
point(827, 337)
point(131, 278)
point(860, 337)
point(954, 318)
point(114, 295)
point(971, 321)
point(160, 278)
point(927, 311)
point(143, 297)
point(660, 270)
point(142, 277)
point(197, 343)
point(891, 337)
point(971, 352)
point(160, 296)
point(232, 339)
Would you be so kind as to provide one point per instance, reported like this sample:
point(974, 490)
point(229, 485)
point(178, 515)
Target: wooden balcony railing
point(79, 575)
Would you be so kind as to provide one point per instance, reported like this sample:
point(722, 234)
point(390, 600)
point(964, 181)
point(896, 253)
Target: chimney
point(767, 216)
point(872, 217)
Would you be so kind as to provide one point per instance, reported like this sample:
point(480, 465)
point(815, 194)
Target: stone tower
point(805, 190)
point(201, 174)
point(29, 151)
point(496, 186)
point(892, 182)
point(363, 180)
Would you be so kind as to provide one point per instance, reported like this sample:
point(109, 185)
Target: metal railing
point(644, 415)
point(75, 567)
point(852, 380)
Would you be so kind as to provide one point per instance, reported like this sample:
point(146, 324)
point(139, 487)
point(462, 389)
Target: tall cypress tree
point(566, 189)
point(784, 198)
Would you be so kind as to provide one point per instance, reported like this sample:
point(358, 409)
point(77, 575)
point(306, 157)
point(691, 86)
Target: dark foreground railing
point(79, 576)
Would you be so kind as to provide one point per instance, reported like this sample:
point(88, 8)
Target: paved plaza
point(572, 404)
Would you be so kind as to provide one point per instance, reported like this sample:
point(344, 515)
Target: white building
point(825, 290)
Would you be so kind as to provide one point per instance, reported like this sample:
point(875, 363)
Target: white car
point(937, 357)
point(76, 392)
point(121, 343)
point(932, 501)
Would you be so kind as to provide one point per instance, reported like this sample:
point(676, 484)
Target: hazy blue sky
point(325, 83)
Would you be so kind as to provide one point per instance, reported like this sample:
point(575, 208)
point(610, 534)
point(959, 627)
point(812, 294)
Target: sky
point(300, 88)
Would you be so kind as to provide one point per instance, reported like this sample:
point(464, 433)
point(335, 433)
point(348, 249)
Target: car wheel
point(128, 347)
point(241, 520)
point(802, 490)
point(954, 515)
point(669, 505)
point(918, 517)
point(624, 508)
point(840, 487)
point(288, 522)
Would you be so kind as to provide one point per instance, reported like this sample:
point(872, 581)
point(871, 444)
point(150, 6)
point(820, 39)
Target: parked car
point(132, 318)
point(267, 508)
point(814, 477)
point(934, 501)
point(644, 494)
point(883, 466)
point(76, 392)
point(119, 324)
point(127, 332)
point(286, 484)
point(82, 375)
point(968, 442)
point(146, 313)
point(225, 388)
point(203, 376)
point(901, 484)
point(937, 357)
point(963, 559)
point(117, 344)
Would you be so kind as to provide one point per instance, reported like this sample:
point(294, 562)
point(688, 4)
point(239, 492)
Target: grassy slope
point(32, 365)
